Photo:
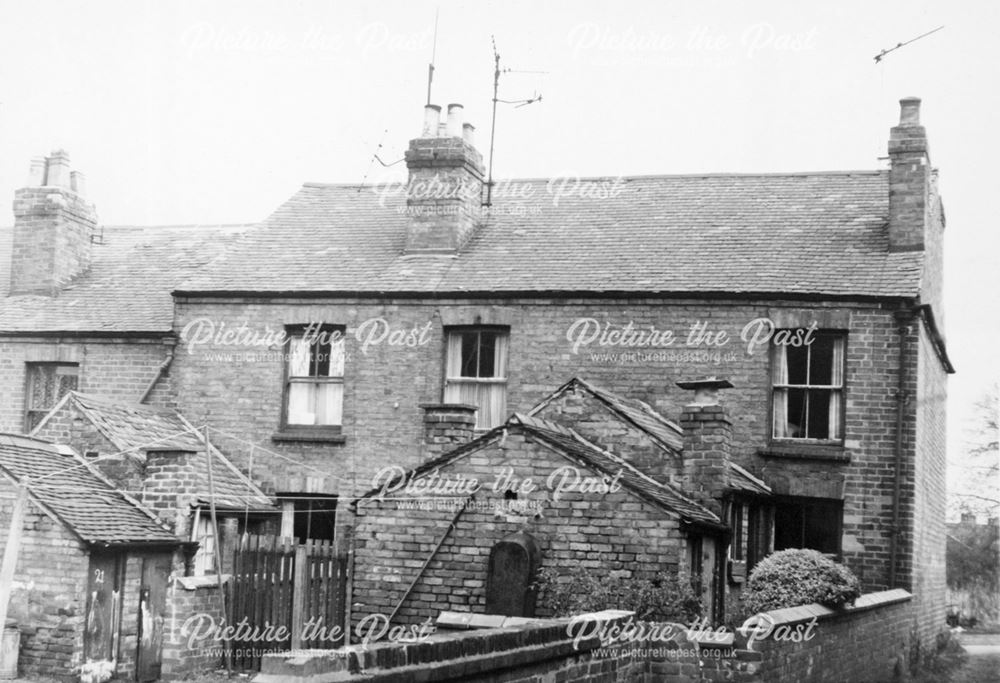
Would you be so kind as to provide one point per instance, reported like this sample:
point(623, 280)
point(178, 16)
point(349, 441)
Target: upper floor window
point(47, 383)
point(476, 372)
point(314, 383)
point(808, 386)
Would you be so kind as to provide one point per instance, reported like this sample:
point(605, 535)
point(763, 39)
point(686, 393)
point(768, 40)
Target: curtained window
point(46, 384)
point(808, 386)
point(476, 372)
point(203, 533)
point(314, 385)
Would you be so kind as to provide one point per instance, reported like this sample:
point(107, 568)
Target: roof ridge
point(639, 176)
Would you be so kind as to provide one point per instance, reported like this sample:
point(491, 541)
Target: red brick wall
point(615, 532)
point(120, 370)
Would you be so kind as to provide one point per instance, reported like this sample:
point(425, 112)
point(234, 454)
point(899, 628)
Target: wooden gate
point(290, 595)
point(152, 614)
point(104, 606)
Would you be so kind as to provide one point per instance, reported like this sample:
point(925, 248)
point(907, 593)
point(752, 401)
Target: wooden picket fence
point(278, 582)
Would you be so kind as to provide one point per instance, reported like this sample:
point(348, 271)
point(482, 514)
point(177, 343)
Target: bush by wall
point(789, 578)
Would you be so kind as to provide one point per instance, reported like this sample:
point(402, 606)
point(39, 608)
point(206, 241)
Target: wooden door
point(104, 606)
point(152, 612)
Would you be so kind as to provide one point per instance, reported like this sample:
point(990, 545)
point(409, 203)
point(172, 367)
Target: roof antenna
point(883, 53)
point(376, 157)
point(493, 125)
point(430, 67)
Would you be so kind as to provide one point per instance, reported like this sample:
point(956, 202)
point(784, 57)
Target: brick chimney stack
point(444, 192)
point(909, 180)
point(707, 442)
point(446, 427)
point(53, 225)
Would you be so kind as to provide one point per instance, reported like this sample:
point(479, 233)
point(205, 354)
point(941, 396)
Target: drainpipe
point(159, 373)
point(903, 319)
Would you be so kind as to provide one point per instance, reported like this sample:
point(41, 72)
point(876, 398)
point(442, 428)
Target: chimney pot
point(57, 174)
point(909, 111)
point(78, 183)
point(36, 172)
point(455, 120)
point(469, 134)
point(432, 117)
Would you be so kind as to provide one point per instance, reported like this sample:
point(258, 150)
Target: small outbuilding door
point(511, 573)
point(152, 611)
point(104, 606)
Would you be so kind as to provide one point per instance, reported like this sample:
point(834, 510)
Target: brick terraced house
point(342, 332)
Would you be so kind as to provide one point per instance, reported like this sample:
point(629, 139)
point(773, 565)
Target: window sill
point(291, 434)
point(806, 451)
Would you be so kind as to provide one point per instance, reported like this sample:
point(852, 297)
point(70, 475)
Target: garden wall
point(867, 642)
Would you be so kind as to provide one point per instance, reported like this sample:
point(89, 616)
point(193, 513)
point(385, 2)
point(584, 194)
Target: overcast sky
point(195, 112)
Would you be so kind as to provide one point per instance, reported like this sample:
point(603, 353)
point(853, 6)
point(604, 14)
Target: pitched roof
point(576, 448)
point(137, 427)
point(78, 495)
point(641, 415)
point(810, 234)
point(666, 433)
point(127, 288)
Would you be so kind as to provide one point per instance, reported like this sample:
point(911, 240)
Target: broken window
point(46, 384)
point(314, 386)
point(808, 385)
point(476, 372)
point(808, 523)
point(203, 533)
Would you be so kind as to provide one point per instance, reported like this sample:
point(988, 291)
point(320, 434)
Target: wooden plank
point(11, 551)
point(300, 591)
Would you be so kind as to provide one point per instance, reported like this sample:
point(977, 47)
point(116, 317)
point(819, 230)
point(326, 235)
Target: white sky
point(194, 112)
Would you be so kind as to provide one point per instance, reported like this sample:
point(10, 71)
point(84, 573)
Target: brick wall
point(184, 652)
point(48, 600)
point(120, 370)
point(614, 532)
point(865, 643)
point(238, 390)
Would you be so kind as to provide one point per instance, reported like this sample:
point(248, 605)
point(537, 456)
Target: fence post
point(300, 587)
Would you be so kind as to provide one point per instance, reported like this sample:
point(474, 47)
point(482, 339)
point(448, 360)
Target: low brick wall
point(184, 652)
point(869, 641)
point(866, 642)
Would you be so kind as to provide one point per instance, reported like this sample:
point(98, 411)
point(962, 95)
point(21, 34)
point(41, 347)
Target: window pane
point(787, 526)
point(798, 359)
point(470, 354)
point(821, 360)
point(329, 403)
point(797, 413)
point(337, 358)
point(487, 354)
point(822, 527)
point(320, 361)
point(300, 403)
point(818, 426)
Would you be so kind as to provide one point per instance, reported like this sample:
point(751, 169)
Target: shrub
point(663, 598)
point(789, 578)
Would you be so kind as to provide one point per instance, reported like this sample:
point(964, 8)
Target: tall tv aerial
point(496, 100)
point(883, 53)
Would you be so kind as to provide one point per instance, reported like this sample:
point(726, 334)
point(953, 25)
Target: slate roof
point(810, 234)
point(576, 448)
point(136, 428)
point(666, 433)
point(127, 288)
point(640, 414)
point(78, 495)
